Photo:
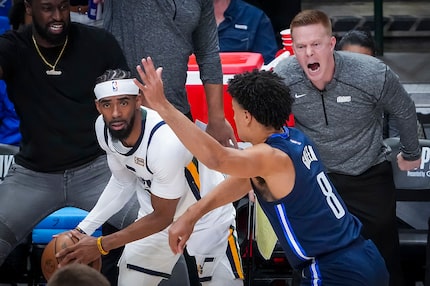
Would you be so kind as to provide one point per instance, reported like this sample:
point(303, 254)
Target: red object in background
point(232, 63)
point(287, 42)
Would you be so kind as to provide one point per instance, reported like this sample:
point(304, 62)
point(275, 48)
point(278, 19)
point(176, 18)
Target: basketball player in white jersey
point(145, 158)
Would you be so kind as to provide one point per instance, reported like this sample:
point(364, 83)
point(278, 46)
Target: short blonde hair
point(310, 17)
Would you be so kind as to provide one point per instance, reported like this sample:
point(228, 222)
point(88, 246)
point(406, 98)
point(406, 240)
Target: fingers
point(181, 245)
point(65, 258)
point(77, 234)
point(65, 251)
point(177, 243)
point(147, 72)
point(173, 242)
point(177, 239)
point(151, 77)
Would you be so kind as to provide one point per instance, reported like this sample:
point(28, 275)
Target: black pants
point(371, 197)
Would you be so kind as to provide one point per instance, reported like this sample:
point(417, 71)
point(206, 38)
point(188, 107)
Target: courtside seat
point(59, 221)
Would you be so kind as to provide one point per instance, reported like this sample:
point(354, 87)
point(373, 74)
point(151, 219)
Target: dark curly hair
point(113, 74)
point(264, 95)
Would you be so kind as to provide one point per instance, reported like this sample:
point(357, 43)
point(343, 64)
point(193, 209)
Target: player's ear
point(97, 105)
point(139, 101)
point(28, 8)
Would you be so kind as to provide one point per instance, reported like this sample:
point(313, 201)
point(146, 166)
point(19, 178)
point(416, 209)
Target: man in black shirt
point(50, 68)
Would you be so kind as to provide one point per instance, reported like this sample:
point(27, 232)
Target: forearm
point(230, 190)
point(144, 227)
point(204, 147)
point(113, 198)
point(215, 102)
point(402, 109)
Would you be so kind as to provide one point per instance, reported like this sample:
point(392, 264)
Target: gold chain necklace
point(52, 71)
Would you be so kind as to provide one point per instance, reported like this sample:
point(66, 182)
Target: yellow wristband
point(100, 247)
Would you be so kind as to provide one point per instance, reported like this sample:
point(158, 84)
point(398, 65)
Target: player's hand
point(84, 251)
point(151, 85)
point(405, 165)
point(179, 233)
point(223, 132)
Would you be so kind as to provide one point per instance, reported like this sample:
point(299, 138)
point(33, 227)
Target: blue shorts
point(356, 265)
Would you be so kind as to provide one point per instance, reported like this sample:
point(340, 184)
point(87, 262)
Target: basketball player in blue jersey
point(147, 159)
point(320, 238)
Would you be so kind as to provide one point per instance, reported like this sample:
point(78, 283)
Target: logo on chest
point(139, 161)
point(342, 99)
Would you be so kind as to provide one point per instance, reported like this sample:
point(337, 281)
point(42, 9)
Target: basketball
point(49, 263)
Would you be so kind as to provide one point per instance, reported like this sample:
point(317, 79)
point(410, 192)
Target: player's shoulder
point(101, 134)
point(100, 123)
point(156, 130)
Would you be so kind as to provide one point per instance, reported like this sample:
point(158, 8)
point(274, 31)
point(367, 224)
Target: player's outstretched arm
point(240, 163)
point(203, 146)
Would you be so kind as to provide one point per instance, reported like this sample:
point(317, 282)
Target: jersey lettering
point(308, 156)
point(331, 198)
point(146, 184)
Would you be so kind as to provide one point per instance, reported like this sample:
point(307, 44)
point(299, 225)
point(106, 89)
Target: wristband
point(100, 247)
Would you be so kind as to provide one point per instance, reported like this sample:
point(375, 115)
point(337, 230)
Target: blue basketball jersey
point(312, 220)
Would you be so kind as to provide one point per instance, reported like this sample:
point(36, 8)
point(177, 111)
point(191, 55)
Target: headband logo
point(114, 85)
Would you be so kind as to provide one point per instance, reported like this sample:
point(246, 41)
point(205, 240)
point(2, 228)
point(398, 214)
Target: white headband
point(115, 87)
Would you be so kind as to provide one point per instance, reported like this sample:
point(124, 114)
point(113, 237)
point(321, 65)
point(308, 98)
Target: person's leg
point(192, 269)
point(14, 269)
point(179, 274)
point(26, 197)
point(131, 274)
point(371, 197)
point(217, 271)
point(149, 261)
point(360, 263)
